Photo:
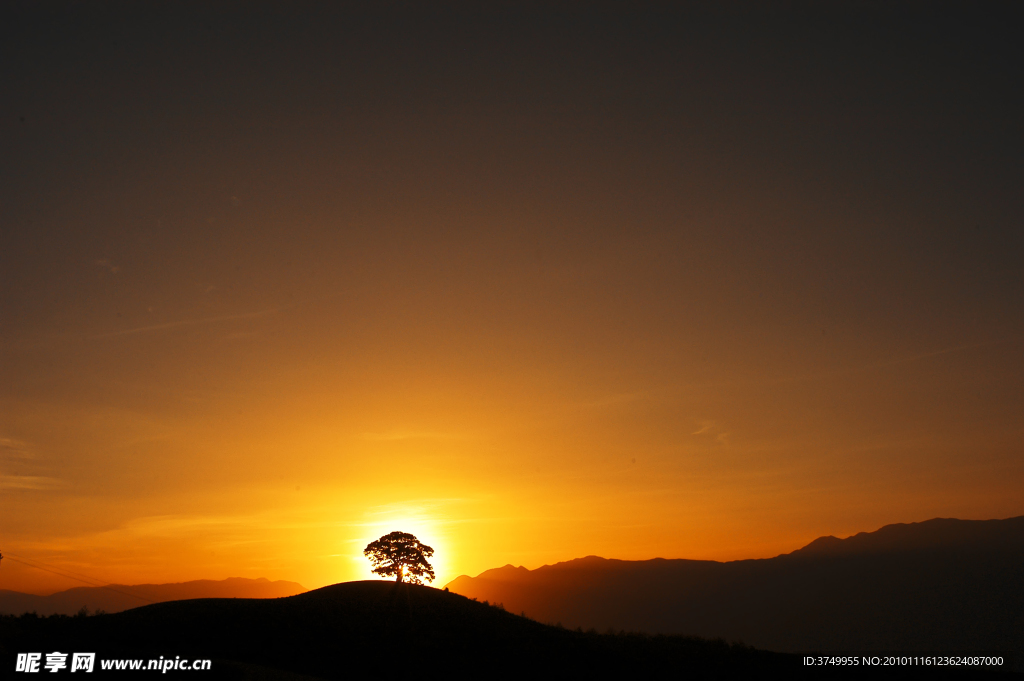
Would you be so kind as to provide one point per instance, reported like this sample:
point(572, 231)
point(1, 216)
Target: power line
point(92, 583)
point(70, 574)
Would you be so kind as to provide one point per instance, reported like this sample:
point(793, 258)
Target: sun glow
point(413, 520)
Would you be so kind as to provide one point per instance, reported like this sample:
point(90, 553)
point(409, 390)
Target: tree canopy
point(400, 555)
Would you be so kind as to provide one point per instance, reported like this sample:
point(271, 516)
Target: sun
point(427, 530)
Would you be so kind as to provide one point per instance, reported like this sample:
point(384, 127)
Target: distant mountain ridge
point(937, 533)
point(941, 584)
point(118, 597)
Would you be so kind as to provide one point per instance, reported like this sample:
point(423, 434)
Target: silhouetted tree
point(400, 555)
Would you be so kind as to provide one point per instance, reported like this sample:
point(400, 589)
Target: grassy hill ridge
point(338, 630)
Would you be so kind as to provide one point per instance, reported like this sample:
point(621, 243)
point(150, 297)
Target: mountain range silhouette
point(117, 597)
point(943, 585)
point(939, 585)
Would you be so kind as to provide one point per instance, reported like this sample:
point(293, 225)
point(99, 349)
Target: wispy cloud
point(872, 366)
point(944, 351)
point(212, 525)
point(415, 506)
point(14, 449)
point(34, 482)
point(705, 426)
point(611, 400)
point(188, 322)
point(712, 429)
point(107, 265)
point(397, 435)
point(17, 454)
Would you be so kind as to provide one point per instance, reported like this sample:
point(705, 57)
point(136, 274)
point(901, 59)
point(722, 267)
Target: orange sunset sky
point(529, 284)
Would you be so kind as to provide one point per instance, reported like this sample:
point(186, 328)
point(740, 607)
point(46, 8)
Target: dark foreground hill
point(377, 629)
point(118, 597)
point(939, 585)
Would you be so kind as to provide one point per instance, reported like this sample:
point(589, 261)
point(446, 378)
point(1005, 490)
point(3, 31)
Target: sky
point(532, 282)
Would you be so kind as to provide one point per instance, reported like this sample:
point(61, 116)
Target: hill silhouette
point(369, 627)
point(118, 597)
point(938, 585)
